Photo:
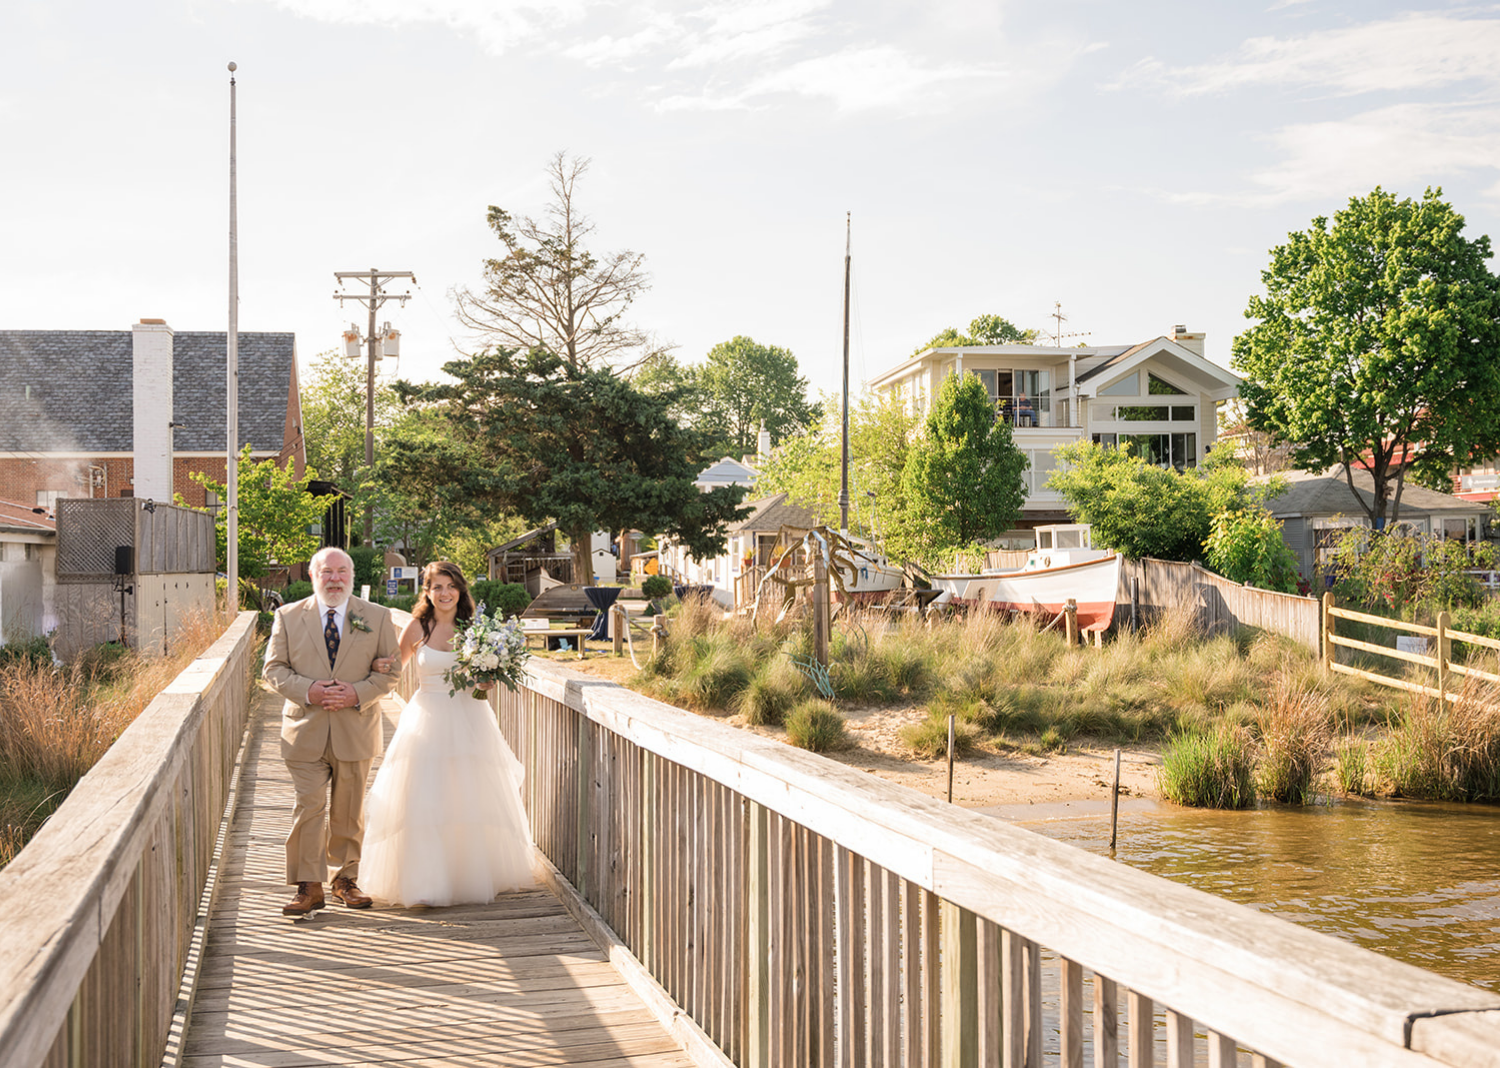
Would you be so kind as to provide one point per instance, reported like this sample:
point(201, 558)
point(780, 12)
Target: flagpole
point(232, 379)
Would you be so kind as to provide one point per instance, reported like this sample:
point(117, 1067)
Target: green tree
point(1245, 545)
point(984, 330)
point(805, 465)
point(275, 515)
point(1376, 340)
point(746, 384)
point(333, 426)
point(538, 436)
point(964, 478)
point(548, 291)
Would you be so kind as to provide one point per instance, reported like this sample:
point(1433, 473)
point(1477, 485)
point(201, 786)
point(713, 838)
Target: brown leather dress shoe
point(352, 896)
point(309, 899)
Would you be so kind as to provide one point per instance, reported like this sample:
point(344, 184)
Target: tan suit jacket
point(297, 657)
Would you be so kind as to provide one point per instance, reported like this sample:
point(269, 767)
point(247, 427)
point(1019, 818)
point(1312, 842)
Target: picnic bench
point(543, 628)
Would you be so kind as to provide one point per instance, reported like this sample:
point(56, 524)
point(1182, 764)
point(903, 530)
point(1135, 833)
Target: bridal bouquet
point(489, 649)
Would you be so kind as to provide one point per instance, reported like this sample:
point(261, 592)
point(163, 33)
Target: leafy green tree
point(1376, 339)
point(1245, 545)
point(746, 384)
point(538, 436)
point(984, 330)
point(806, 465)
point(548, 291)
point(333, 426)
point(275, 515)
point(964, 478)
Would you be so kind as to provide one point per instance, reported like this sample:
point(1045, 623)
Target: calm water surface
point(1416, 881)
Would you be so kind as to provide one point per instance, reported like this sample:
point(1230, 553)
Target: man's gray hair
point(323, 554)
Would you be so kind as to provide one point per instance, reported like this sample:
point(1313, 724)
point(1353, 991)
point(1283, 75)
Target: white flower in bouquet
point(489, 650)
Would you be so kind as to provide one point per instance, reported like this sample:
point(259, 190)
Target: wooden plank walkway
point(516, 982)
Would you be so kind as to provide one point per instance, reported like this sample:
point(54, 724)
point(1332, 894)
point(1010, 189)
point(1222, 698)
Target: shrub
point(1294, 732)
point(1208, 769)
point(718, 672)
point(656, 586)
point(507, 598)
point(773, 691)
point(369, 567)
point(815, 726)
point(929, 737)
point(32, 652)
point(296, 591)
point(1446, 754)
point(1245, 545)
point(404, 602)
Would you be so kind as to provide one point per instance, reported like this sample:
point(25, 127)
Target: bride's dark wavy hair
point(424, 609)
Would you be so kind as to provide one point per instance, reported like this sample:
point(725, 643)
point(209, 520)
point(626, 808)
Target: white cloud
point(499, 24)
point(1419, 51)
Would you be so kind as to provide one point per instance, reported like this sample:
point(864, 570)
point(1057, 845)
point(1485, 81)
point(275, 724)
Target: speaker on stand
point(124, 569)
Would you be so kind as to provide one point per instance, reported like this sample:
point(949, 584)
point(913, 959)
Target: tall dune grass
point(56, 722)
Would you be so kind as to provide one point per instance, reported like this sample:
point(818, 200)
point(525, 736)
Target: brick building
point(121, 413)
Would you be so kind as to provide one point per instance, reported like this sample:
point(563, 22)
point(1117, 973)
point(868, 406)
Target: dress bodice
point(431, 663)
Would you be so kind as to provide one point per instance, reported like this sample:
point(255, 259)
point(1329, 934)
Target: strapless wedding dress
point(444, 823)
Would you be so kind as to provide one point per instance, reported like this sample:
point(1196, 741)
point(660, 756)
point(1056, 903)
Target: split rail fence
point(799, 912)
point(1440, 639)
point(102, 908)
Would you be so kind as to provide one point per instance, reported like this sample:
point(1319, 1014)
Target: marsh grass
point(1294, 730)
point(56, 722)
point(814, 725)
point(1351, 766)
point(1009, 682)
point(1209, 769)
point(1447, 753)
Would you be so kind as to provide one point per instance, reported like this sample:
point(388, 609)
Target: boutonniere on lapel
point(358, 623)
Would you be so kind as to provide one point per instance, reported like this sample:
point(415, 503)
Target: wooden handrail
point(782, 899)
point(100, 906)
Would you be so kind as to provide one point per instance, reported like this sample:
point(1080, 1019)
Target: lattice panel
point(88, 532)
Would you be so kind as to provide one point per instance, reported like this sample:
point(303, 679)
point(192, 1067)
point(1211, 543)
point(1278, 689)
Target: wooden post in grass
point(618, 621)
point(820, 608)
point(1070, 618)
point(1327, 630)
point(950, 758)
point(1444, 652)
point(1114, 804)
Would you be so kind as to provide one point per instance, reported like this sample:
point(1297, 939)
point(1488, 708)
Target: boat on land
point(1064, 566)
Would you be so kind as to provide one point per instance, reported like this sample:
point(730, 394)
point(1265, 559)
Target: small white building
point(1159, 398)
point(28, 571)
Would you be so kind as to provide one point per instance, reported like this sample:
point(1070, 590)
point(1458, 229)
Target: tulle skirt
point(444, 824)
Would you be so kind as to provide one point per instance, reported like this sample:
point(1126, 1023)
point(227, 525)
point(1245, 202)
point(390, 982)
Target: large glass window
point(1152, 413)
point(1129, 386)
point(1161, 450)
point(1157, 388)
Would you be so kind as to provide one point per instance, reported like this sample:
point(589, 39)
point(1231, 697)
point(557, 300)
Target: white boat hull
point(1092, 585)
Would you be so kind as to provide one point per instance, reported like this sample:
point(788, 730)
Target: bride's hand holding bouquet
point(490, 650)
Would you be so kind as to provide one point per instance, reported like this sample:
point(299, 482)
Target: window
point(1159, 388)
point(1129, 386)
point(48, 498)
point(1163, 450)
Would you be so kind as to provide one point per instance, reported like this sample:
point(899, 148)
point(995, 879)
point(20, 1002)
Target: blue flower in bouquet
point(490, 649)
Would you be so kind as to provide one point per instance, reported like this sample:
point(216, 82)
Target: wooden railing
point(1440, 639)
point(101, 911)
point(800, 912)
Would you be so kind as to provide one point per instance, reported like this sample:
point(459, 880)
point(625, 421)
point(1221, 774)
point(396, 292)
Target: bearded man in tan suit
point(320, 659)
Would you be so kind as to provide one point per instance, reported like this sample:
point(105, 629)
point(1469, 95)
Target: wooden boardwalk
point(517, 982)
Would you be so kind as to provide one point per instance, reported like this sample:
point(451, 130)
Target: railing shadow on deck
point(800, 912)
point(100, 912)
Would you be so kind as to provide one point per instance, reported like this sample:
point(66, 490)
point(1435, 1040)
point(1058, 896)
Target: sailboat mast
point(844, 435)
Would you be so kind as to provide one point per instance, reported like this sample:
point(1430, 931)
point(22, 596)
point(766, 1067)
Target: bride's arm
point(406, 648)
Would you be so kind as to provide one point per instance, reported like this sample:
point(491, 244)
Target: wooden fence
point(1440, 640)
point(1148, 586)
point(800, 912)
point(101, 908)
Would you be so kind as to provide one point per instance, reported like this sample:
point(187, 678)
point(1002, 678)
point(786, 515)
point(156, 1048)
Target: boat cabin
point(1060, 544)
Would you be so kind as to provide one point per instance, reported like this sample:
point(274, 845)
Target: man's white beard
point(333, 600)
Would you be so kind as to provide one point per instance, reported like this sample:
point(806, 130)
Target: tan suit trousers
point(326, 835)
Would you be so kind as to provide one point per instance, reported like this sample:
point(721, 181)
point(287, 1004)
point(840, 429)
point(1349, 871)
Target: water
point(1416, 881)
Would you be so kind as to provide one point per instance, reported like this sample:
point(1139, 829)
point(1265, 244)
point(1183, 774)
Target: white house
point(28, 571)
point(1159, 398)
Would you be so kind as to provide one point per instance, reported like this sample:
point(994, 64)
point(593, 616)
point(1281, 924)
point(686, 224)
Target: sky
point(1132, 162)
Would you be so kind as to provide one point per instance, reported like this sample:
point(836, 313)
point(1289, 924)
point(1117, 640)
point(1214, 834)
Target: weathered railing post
point(584, 811)
point(1070, 620)
point(960, 987)
point(758, 941)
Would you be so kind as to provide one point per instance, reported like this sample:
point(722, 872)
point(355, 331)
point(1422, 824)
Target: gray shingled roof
point(772, 513)
point(1318, 493)
point(80, 390)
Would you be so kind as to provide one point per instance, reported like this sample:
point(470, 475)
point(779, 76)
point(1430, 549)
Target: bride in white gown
point(444, 820)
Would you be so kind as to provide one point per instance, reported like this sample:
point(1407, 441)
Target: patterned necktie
point(331, 636)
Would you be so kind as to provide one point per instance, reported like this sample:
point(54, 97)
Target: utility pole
point(377, 296)
point(232, 380)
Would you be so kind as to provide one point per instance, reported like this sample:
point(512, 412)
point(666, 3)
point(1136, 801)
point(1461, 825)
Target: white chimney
point(763, 443)
point(1188, 340)
point(152, 388)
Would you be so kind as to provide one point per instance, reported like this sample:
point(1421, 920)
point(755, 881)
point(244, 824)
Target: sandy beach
point(1078, 778)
